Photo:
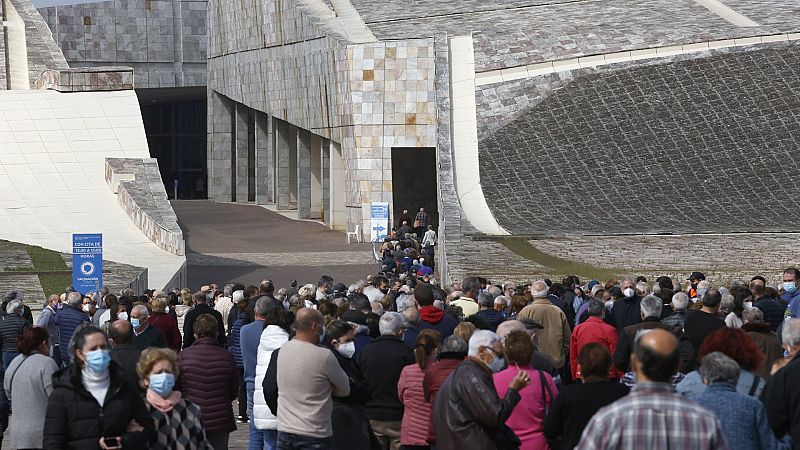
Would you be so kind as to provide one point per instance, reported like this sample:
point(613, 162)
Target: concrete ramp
point(53, 148)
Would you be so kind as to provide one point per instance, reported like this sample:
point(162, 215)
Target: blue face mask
point(98, 360)
point(162, 383)
point(789, 287)
point(135, 323)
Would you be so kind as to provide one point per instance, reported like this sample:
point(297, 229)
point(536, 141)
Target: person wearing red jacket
point(594, 329)
point(165, 323)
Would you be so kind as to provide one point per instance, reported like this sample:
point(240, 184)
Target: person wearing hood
point(177, 418)
point(431, 317)
point(626, 311)
point(94, 386)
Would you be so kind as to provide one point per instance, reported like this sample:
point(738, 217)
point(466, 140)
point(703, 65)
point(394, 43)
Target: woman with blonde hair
point(164, 322)
point(177, 420)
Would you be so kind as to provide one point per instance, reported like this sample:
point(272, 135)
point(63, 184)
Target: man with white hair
point(67, 320)
point(650, 310)
point(626, 310)
point(680, 302)
point(554, 338)
point(468, 409)
point(782, 394)
point(381, 362)
point(144, 336)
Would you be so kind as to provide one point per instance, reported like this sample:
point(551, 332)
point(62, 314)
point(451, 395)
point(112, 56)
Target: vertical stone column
point(326, 182)
point(263, 162)
point(242, 146)
point(293, 171)
point(303, 174)
point(219, 146)
point(316, 177)
point(282, 148)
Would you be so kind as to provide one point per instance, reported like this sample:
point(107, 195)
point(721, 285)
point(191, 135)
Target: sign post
point(379, 221)
point(87, 262)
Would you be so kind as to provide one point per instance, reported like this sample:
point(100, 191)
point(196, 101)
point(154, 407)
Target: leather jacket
point(469, 414)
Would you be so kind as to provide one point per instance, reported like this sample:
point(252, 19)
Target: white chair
point(355, 234)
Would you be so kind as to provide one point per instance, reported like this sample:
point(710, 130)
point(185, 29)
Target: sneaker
point(242, 419)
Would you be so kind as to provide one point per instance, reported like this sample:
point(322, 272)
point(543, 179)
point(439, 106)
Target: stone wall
point(141, 195)
point(165, 41)
point(685, 145)
point(368, 97)
point(86, 79)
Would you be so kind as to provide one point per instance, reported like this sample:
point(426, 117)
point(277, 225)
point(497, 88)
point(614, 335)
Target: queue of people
point(397, 361)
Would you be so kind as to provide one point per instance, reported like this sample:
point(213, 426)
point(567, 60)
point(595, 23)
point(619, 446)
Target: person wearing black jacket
point(92, 400)
point(382, 361)
point(576, 403)
point(351, 429)
point(201, 307)
point(626, 310)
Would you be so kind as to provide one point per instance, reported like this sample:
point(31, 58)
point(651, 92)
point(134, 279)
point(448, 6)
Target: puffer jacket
point(416, 427)
point(75, 420)
point(468, 410)
point(11, 326)
point(273, 337)
point(208, 377)
point(233, 340)
point(168, 326)
point(67, 320)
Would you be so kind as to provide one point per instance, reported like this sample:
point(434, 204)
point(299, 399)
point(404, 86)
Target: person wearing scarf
point(177, 420)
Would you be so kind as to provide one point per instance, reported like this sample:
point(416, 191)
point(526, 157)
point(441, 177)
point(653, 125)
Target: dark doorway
point(414, 182)
point(175, 125)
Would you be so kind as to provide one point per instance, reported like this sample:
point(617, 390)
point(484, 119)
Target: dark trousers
point(242, 395)
point(289, 441)
point(5, 403)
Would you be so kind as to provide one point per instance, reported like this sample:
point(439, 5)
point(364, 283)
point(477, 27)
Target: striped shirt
point(653, 417)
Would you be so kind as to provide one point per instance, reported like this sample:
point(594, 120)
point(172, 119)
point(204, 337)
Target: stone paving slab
point(32, 293)
point(14, 258)
point(281, 259)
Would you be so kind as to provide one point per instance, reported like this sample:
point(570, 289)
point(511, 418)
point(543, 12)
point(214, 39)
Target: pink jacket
point(417, 426)
point(527, 420)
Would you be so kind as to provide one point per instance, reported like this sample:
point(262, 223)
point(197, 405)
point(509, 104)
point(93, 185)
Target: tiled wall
point(367, 97)
point(163, 40)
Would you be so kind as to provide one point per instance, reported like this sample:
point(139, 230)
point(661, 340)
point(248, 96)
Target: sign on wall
point(87, 262)
point(379, 221)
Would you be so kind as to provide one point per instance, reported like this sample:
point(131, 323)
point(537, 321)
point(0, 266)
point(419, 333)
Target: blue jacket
point(793, 300)
point(743, 419)
point(249, 337)
point(67, 320)
point(233, 340)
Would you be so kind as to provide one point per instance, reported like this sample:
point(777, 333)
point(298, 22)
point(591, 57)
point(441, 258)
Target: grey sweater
point(29, 382)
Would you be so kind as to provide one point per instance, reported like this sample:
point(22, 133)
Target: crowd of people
point(398, 361)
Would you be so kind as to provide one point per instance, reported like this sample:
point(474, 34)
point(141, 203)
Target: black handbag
point(546, 393)
point(505, 439)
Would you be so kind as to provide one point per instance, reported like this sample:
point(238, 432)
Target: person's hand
point(134, 427)
point(520, 380)
point(107, 443)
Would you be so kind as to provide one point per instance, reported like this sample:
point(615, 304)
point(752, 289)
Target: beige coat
point(554, 338)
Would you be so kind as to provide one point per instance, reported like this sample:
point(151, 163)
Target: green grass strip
point(523, 248)
point(55, 283)
point(46, 260)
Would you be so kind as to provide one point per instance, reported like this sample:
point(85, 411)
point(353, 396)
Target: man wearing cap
point(694, 279)
point(554, 340)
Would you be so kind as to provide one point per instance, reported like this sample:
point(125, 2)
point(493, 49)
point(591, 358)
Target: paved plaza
point(247, 243)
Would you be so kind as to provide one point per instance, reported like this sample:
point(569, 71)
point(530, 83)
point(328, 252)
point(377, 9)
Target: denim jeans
point(258, 439)
point(289, 441)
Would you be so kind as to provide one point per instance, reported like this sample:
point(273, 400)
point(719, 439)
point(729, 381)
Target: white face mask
point(347, 349)
point(87, 307)
point(122, 316)
point(748, 304)
point(628, 292)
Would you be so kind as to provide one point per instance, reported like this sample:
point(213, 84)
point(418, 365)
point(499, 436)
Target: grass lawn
point(523, 248)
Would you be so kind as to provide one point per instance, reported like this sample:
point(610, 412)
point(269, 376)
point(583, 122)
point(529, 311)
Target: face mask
point(86, 307)
point(162, 383)
point(748, 304)
point(701, 293)
point(98, 360)
point(497, 364)
point(609, 304)
point(135, 323)
point(347, 350)
point(628, 292)
point(789, 286)
point(122, 316)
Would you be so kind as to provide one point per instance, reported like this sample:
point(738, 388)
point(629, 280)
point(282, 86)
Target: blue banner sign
point(87, 262)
